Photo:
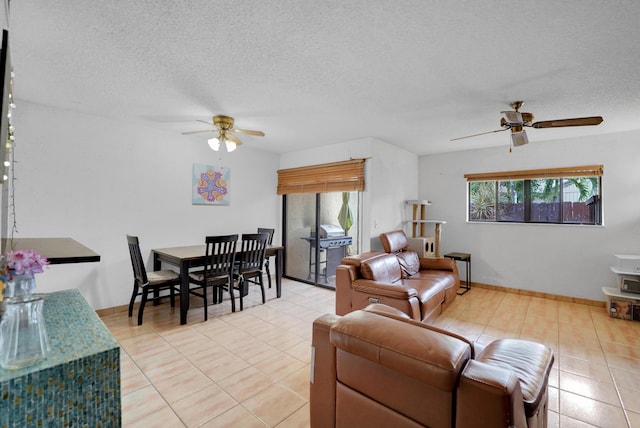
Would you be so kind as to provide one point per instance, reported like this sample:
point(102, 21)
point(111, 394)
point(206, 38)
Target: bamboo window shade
point(346, 176)
point(529, 174)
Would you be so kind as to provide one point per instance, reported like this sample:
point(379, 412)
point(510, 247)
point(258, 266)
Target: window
point(559, 196)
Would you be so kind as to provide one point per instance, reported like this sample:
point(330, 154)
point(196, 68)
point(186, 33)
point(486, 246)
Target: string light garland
point(10, 161)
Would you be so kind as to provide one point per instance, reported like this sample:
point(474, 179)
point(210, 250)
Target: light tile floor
point(251, 368)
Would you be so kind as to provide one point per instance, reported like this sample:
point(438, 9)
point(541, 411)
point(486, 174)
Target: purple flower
point(25, 262)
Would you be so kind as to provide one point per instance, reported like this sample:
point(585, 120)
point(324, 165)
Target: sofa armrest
point(345, 275)
point(489, 396)
point(531, 362)
point(438, 263)
point(322, 390)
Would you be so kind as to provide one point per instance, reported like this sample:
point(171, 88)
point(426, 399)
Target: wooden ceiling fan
point(224, 127)
point(516, 121)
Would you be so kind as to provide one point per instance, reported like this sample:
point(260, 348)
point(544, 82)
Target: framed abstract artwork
point(210, 185)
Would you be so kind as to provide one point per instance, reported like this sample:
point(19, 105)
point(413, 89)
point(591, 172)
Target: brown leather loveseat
point(378, 368)
point(420, 287)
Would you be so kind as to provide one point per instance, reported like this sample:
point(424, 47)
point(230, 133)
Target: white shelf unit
point(622, 305)
point(627, 263)
point(627, 279)
point(619, 271)
point(418, 224)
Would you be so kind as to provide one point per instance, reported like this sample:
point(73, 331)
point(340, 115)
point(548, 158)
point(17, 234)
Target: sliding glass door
point(319, 230)
point(299, 221)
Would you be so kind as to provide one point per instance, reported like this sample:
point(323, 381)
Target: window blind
point(529, 174)
point(345, 176)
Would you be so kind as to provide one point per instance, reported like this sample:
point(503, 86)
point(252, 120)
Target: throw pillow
point(409, 263)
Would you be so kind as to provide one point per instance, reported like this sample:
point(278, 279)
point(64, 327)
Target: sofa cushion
point(384, 268)
point(395, 241)
point(443, 279)
point(409, 263)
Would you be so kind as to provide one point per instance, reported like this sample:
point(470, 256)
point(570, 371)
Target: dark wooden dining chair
point(147, 282)
point(270, 232)
point(249, 266)
point(218, 269)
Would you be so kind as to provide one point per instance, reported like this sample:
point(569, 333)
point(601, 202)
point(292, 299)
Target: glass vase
point(23, 333)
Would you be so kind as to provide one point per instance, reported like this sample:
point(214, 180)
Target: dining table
point(192, 256)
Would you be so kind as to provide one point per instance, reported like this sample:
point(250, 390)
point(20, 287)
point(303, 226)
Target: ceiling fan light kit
point(215, 144)
point(230, 142)
point(516, 121)
point(519, 138)
point(225, 130)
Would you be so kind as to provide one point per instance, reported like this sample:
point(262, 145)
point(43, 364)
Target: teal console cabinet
point(78, 384)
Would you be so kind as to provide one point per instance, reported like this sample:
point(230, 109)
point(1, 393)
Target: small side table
point(463, 257)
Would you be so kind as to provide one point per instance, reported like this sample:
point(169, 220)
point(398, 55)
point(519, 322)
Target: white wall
point(558, 259)
point(394, 179)
point(95, 180)
point(391, 176)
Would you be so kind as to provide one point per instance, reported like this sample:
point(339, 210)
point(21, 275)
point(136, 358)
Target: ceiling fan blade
point(482, 133)
point(245, 131)
point(199, 132)
point(233, 138)
point(208, 122)
point(578, 121)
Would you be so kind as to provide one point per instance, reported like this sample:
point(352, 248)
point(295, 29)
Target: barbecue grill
point(332, 244)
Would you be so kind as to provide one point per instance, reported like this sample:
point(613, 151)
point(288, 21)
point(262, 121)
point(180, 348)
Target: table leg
point(466, 258)
point(467, 286)
point(184, 292)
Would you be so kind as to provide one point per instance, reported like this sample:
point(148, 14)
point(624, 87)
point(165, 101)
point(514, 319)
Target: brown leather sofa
point(378, 368)
point(420, 287)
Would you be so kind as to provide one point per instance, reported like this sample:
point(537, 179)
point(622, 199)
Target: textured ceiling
point(309, 73)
